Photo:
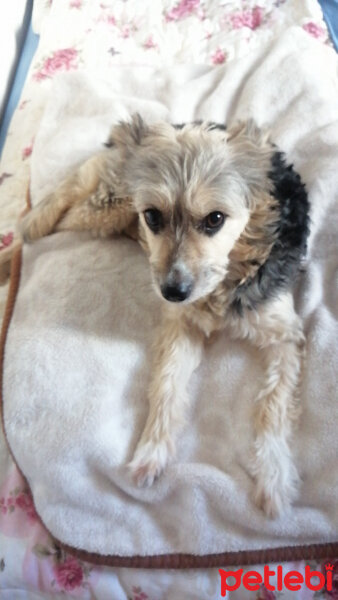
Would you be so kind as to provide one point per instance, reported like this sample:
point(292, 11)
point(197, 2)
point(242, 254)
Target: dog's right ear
point(126, 135)
point(248, 130)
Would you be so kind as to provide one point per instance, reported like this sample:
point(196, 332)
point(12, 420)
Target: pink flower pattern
point(27, 151)
point(247, 18)
point(18, 498)
point(69, 574)
point(46, 566)
point(313, 29)
point(219, 57)
point(149, 43)
point(6, 240)
point(60, 60)
point(17, 513)
point(106, 18)
point(182, 10)
point(49, 568)
point(125, 32)
point(25, 502)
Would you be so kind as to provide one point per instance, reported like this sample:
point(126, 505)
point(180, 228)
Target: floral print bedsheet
point(80, 34)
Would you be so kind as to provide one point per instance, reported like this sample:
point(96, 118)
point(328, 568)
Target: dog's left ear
point(126, 135)
point(248, 130)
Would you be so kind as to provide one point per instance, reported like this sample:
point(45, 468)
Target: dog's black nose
point(177, 292)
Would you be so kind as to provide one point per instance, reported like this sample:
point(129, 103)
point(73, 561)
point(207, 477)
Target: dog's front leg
point(276, 330)
point(177, 353)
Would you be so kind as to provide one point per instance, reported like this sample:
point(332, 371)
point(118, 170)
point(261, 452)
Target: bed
point(72, 34)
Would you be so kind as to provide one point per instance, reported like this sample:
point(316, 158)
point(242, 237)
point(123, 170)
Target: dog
point(224, 221)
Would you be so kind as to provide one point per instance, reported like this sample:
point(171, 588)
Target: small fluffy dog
point(224, 221)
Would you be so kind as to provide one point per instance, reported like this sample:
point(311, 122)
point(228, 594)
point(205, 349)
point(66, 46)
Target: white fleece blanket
point(76, 355)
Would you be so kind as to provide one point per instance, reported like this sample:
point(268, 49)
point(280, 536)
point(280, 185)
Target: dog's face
point(192, 188)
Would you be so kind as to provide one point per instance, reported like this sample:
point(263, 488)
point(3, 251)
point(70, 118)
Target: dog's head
point(194, 187)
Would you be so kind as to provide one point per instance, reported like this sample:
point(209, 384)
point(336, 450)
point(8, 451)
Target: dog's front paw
point(148, 462)
point(276, 485)
point(271, 499)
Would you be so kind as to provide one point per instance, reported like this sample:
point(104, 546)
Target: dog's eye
point(213, 222)
point(153, 218)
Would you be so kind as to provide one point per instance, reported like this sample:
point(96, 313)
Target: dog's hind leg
point(276, 330)
point(102, 213)
point(84, 201)
point(43, 218)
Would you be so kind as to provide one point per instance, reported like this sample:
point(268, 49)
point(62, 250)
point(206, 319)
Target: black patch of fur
point(211, 125)
point(281, 267)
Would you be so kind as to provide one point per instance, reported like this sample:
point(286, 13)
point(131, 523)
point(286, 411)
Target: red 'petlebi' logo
point(293, 580)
